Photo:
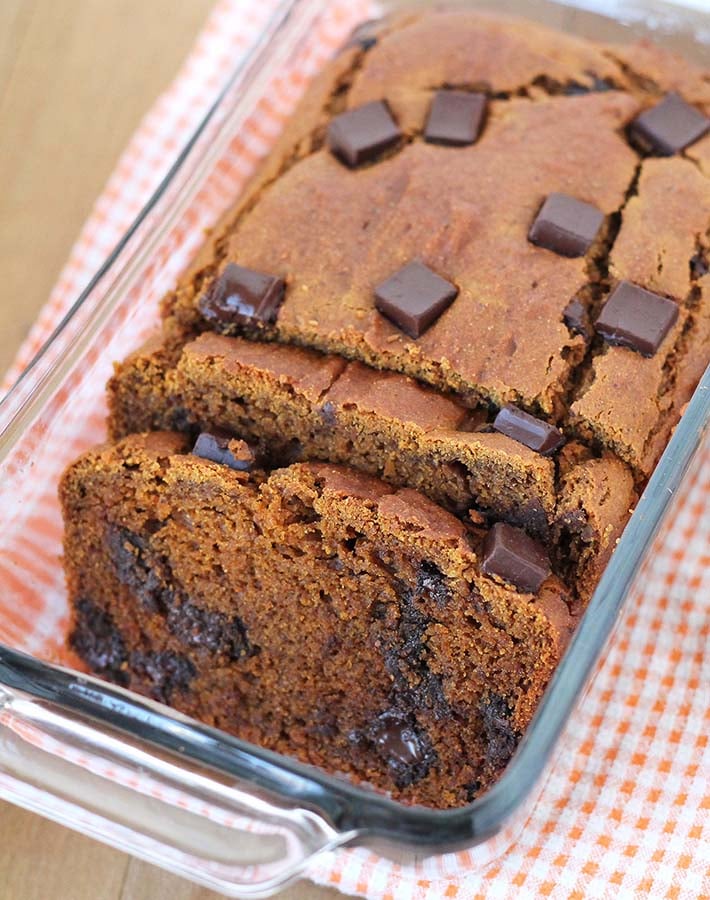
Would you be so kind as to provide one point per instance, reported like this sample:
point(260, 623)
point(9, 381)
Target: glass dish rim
point(353, 808)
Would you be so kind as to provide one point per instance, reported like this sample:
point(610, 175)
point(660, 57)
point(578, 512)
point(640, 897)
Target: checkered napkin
point(626, 810)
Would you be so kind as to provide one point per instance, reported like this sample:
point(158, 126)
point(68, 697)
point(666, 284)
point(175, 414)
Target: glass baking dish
point(135, 774)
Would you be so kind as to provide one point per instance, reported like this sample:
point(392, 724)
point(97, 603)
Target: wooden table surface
point(75, 78)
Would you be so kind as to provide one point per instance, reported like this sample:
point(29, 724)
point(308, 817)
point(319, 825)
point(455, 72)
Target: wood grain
point(76, 76)
point(40, 860)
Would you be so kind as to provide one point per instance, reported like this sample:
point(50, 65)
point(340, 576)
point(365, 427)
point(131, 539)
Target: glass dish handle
point(213, 828)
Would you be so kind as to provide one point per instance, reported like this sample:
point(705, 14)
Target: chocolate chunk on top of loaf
point(669, 127)
point(414, 298)
point(533, 432)
point(220, 447)
point(455, 118)
point(636, 318)
point(361, 134)
point(242, 296)
point(566, 225)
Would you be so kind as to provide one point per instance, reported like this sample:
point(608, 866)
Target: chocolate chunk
point(414, 298)
point(398, 742)
point(410, 637)
point(576, 318)
point(403, 643)
point(222, 448)
point(407, 752)
point(432, 584)
point(514, 556)
point(455, 118)
point(534, 433)
point(209, 630)
point(163, 674)
point(98, 642)
point(669, 127)
point(361, 134)
point(566, 225)
point(501, 738)
point(240, 296)
point(636, 318)
point(130, 557)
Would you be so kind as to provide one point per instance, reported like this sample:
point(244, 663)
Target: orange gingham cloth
point(626, 810)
